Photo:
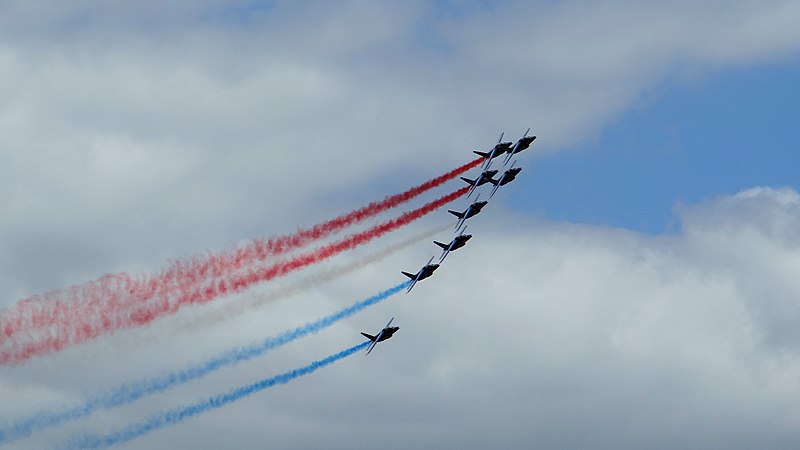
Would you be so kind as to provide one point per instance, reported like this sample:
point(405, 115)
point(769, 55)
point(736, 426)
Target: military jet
point(521, 145)
point(384, 334)
point(507, 177)
point(471, 210)
point(497, 150)
point(457, 242)
point(484, 178)
point(423, 273)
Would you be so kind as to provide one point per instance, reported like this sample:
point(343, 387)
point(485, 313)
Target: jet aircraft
point(383, 335)
point(507, 177)
point(497, 150)
point(457, 242)
point(423, 273)
point(471, 210)
point(521, 145)
point(484, 178)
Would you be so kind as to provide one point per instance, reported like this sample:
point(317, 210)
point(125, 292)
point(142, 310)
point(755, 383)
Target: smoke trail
point(207, 318)
point(130, 392)
point(178, 415)
point(308, 283)
point(119, 292)
point(239, 282)
point(66, 334)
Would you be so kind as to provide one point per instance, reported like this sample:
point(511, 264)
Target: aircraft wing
point(373, 344)
point(447, 252)
point(450, 247)
point(415, 280)
point(501, 179)
point(462, 218)
point(494, 149)
point(514, 149)
point(472, 188)
point(378, 337)
point(496, 186)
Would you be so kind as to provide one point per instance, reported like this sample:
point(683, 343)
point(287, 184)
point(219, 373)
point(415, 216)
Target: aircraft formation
point(59, 320)
point(487, 175)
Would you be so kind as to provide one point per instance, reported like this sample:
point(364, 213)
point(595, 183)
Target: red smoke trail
point(120, 292)
point(71, 332)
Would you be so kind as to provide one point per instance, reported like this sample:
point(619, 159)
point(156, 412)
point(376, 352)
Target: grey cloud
point(754, 236)
point(141, 133)
point(536, 334)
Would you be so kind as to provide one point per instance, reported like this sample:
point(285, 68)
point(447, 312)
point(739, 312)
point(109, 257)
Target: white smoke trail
point(207, 316)
point(253, 302)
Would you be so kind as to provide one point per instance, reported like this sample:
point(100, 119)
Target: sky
point(682, 144)
point(634, 288)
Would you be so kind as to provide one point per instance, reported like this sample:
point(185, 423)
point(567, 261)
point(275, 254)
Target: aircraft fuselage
point(510, 175)
point(522, 144)
point(485, 177)
point(427, 271)
point(474, 209)
point(496, 151)
point(460, 241)
point(423, 273)
point(387, 333)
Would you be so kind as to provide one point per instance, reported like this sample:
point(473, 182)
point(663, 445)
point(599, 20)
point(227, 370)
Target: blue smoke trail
point(130, 392)
point(182, 413)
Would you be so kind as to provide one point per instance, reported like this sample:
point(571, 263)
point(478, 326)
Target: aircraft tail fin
point(456, 213)
point(444, 246)
point(467, 180)
point(368, 336)
point(410, 275)
point(484, 154)
point(493, 181)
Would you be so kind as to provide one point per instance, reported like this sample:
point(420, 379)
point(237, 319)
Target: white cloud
point(534, 334)
point(139, 133)
point(123, 121)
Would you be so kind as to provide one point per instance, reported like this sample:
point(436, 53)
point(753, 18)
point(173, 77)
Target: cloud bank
point(146, 132)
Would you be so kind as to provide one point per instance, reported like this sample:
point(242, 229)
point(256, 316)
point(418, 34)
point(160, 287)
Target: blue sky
point(689, 141)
